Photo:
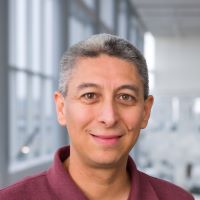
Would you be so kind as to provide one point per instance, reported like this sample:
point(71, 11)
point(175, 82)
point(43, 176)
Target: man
point(103, 100)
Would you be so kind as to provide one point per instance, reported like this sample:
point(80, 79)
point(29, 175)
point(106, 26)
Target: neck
point(100, 183)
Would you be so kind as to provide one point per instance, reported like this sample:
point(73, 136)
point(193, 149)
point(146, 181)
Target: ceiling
point(169, 18)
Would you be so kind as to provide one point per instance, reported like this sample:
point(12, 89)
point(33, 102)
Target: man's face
point(103, 111)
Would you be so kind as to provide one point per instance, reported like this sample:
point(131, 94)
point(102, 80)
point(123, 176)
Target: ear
point(59, 102)
point(147, 111)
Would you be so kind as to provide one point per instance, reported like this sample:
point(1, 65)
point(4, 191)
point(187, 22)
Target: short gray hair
point(102, 44)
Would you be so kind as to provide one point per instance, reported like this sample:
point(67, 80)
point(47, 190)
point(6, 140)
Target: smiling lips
point(106, 139)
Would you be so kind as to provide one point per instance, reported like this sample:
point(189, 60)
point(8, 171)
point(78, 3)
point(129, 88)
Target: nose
point(108, 114)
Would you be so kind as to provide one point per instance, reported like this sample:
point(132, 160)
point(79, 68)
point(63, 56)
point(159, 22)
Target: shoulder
point(166, 190)
point(30, 186)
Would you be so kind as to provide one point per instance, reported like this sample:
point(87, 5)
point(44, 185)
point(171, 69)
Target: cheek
point(133, 119)
point(76, 117)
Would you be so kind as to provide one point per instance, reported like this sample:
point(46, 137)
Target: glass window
point(133, 30)
point(36, 103)
point(18, 36)
point(149, 53)
point(196, 107)
point(49, 119)
point(122, 19)
point(90, 3)
point(140, 43)
point(107, 12)
point(35, 31)
point(81, 24)
point(78, 30)
point(48, 36)
point(32, 118)
point(151, 81)
point(196, 113)
point(18, 111)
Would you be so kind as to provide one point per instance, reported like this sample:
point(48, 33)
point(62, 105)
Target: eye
point(89, 97)
point(126, 99)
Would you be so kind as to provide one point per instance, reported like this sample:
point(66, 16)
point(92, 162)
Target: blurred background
point(33, 36)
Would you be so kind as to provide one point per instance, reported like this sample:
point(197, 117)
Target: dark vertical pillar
point(4, 148)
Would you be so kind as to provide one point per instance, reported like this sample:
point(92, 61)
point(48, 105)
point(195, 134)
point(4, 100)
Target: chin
point(107, 161)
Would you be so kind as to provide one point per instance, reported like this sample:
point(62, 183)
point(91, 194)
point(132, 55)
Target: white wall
point(177, 65)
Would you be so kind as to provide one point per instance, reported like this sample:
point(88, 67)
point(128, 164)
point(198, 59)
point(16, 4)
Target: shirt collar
point(141, 188)
point(63, 186)
point(60, 180)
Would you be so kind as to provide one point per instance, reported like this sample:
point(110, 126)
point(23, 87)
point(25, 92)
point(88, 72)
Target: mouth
point(106, 139)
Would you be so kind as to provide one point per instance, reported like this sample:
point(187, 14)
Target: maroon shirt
point(56, 183)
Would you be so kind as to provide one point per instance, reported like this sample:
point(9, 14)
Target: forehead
point(104, 69)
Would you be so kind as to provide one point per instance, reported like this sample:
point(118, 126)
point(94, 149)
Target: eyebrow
point(129, 87)
point(94, 85)
point(87, 85)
